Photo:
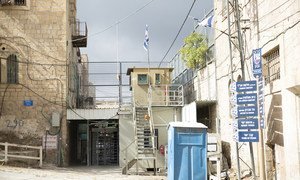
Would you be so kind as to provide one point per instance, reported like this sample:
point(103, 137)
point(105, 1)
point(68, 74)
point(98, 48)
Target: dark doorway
point(102, 142)
point(78, 142)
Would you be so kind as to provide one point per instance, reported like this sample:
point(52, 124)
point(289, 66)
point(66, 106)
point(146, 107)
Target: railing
point(151, 118)
point(80, 28)
point(167, 95)
point(79, 33)
point(16, 154)
point(125, 151)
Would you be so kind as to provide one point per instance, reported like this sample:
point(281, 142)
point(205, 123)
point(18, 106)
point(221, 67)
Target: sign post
point(245, 111)
point(257, 73)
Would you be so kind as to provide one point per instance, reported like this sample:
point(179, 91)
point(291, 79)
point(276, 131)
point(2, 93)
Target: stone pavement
point(70, 173)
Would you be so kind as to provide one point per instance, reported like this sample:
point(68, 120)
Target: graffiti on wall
point(14, 123)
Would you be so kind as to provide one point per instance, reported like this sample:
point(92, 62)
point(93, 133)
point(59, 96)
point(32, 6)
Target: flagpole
point(146, 46)
point(148, 58)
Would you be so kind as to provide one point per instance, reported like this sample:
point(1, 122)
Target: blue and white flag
point(146, 41)
point(208, 22)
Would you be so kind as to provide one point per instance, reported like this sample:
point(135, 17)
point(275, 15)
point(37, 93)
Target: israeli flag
point(146, 41)
point(207, 22)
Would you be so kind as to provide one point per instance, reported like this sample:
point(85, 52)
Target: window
point(157, 79)
point(142, 79)
point(13, 2)
point(9, 69)
point(271, 65)
point(20, 2)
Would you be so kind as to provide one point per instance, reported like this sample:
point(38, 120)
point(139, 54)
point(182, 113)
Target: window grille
point(13, 2)
point(20, 2)
point(271, 67)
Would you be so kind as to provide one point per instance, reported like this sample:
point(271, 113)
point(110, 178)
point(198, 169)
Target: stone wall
point(40, 35)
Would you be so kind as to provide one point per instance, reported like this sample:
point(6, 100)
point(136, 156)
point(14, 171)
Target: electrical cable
point(40, 96)
point(118, 22)
point(34, 63)
point(273, 39)
point(183, 23)
point(265, 29)
point(8, 39)
point(2, 101)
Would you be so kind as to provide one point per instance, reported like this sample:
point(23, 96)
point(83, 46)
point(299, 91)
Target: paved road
point(80, 173)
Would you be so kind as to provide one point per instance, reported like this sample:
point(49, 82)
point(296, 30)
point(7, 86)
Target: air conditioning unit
point(6, 2)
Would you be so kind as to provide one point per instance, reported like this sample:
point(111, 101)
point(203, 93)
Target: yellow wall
point(140, 92)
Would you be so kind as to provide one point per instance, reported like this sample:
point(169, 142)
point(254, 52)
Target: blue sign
point(246, 98)
point(28, 103)
point(247, 123)
point(243, 86)
point(248, 136)
point(256, 62)
point(246, 111)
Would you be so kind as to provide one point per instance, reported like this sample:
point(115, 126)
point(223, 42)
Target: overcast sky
point(164, 18)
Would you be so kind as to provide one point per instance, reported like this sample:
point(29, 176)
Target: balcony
point(167, 95)
point(79, 34)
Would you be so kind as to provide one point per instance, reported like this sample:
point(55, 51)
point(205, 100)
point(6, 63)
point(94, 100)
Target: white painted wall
point(189, 112)
point(278, 25)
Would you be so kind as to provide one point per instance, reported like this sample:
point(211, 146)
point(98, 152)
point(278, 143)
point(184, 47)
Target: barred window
point(9, 69)
point(20, 2)
point(13, 2)
point(271, 66)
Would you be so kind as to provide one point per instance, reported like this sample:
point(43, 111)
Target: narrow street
point(56, 173)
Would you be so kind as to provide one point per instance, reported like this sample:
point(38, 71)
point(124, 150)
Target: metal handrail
point(129, 145)
point(167, 95)
point(126, 153)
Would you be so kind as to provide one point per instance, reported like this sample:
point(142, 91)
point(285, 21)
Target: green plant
point(194, 51)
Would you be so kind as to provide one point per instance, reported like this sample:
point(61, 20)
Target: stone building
point(272, 26)
point(39, 43)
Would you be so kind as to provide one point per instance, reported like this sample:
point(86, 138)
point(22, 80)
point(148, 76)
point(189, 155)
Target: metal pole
point(240, 39)
point(120, 84)
point(231, 73)
point(88, 143)
point(262, 173)
point(242, 59)
point(119, 71)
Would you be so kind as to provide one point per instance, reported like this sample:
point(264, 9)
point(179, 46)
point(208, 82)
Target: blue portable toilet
point(187, 151)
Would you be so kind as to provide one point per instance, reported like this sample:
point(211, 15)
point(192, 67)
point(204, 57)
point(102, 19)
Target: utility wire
point(186, 17)
point(118, 22)
point(30, 47)
point(32, 63)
